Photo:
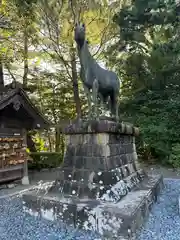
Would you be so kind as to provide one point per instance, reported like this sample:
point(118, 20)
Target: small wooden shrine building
point(17, 115)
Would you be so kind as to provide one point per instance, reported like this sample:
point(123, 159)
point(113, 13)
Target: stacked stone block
point(97, 156)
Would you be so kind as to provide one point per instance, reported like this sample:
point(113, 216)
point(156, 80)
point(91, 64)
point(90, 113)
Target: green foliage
point(149, 65)
point(39, 50)
point(54, 95)
point(39, 143)
point(42, 160)
point(146, 56)
point(25, 7)
point(174, 158)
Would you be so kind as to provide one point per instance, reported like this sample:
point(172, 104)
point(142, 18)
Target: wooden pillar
point(25, 179)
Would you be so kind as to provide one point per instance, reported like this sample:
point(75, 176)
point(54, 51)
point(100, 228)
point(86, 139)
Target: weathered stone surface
point(112, 217)
point(100, 186)
point(100, 126)
point(100, 146)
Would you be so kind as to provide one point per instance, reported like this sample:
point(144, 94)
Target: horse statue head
point(80, 34)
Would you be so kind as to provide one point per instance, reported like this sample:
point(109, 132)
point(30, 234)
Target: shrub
point(42, 160)
point(174, 158)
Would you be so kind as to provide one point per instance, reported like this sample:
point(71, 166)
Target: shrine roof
point(11, 96)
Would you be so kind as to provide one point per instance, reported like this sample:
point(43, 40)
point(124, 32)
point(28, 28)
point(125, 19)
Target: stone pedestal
point(98, 155)
point(100, 186)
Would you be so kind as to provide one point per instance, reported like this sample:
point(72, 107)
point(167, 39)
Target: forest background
point(139, 40)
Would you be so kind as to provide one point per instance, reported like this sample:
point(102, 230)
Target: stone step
point(97, 185)
point(111, 219)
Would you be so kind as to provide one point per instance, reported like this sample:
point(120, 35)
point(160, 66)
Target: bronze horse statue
point(103, 83)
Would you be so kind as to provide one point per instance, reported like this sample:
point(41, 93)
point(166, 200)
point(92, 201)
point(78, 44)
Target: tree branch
point(11, 74)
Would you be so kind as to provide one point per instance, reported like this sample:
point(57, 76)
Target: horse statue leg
point(95, 89)
point(101, 102)
point(117, 109)
point(114, 106)
point(104, 103)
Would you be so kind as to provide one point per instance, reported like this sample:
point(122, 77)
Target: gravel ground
point(166, 172)
point(162, 224)
point(9, 192)
point(17, 225)
point(164, 220)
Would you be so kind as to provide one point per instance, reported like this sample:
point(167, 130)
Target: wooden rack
point(12, 155)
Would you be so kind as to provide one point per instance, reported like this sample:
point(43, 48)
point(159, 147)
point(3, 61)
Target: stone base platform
point(112, 219)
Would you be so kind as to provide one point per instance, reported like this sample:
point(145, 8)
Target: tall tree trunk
point(49, 141)
point(1, 68)
point(1, 74)
point(75, 84)
point(25, 57)
point(62, 144)
point(57, 139)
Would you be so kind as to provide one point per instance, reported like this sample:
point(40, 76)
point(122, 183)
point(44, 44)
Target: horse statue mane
point(104, 84)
